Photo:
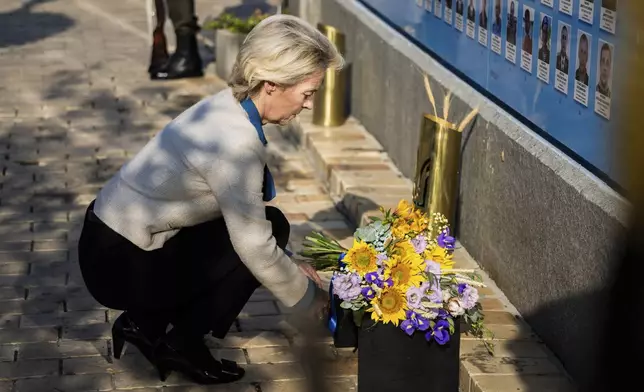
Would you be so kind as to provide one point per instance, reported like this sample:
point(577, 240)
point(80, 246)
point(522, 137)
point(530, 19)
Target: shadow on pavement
point(25, 25)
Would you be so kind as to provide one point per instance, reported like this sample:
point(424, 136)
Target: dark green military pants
point(182, 15)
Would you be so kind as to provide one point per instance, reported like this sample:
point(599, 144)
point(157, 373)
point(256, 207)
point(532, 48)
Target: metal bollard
point(330, 102)
point(437, 167)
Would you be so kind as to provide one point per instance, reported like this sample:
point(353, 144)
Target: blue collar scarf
point(255, 119)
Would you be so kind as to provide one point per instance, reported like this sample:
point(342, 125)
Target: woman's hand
point(309, 271)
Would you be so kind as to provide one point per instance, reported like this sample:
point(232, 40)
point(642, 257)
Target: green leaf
point(450, 321)
point(346, 305)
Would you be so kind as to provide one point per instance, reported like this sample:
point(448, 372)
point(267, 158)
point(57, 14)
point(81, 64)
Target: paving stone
point(514, 383)
point(13, 370)
point(85, 317)
point(83, 303)
point(49, 245)
point(30, 306)
point(271, 355)
point(41, 320)
point(8, 321)
point(241, 387)
point(132, 362)
point(92, 331)
point(15, 268)
point(28, 335)
point(80, 383)
point(12, 293)
point(146, 380)
point(273, 372)
point(7, 352)
point(335, 385)
point(62, 349)
point(505, 349)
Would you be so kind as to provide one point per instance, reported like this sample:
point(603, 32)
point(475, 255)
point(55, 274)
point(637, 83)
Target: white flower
point(454, 307)
point(446, 295)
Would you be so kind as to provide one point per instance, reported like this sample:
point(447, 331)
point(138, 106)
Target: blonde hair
point(284, 50)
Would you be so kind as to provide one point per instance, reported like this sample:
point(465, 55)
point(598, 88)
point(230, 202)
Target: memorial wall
point(548, 62)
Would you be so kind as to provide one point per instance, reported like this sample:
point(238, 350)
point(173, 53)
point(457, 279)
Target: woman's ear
point(270, 87)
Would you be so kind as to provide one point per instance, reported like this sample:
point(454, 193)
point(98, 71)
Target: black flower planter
point(346, 333)
point(391, 361)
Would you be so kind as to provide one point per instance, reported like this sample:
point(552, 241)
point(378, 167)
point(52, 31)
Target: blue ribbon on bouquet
point(333, 316)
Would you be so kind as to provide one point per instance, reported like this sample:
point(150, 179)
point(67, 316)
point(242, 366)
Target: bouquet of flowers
point(400, 270)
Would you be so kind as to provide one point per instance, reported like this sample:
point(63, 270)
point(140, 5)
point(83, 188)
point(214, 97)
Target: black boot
point(125, 330)
point(190, 356)
point(185, 62)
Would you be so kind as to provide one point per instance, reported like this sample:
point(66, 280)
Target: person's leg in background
point(185, 62)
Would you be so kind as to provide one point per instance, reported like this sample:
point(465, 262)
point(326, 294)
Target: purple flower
point(380, 258)
point(469, 297)
point(414, 296)
point(432, 267)
point(371, 277)
point(445, 240)
point(368, 293)
point(389, 282)
point(422, 322)
point(419, 243)
point(440, 332)
point(408, 326)
point(443, 314)
point(347, 287)
point(436, 294)
point(461, 288)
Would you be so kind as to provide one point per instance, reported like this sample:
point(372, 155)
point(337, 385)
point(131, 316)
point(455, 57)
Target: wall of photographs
point(551, 61)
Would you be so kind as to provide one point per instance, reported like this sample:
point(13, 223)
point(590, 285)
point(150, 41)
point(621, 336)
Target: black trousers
point(196, 281)
point(182, 15)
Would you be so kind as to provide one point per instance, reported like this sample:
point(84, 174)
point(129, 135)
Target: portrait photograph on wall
point(543, 54)
point(497, 27)
point(449, 13)
point(483, 20)
point(471, 18)
point(603, 90)
point(511, 31)
point(526, 44)
point(460, 9)
point(562, 62)
point(582, 69)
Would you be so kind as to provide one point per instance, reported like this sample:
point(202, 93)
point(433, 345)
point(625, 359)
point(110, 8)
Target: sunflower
point(405, 270)
point(441, 256)
point(389, 306)
point(361, 258)
point(403, 247)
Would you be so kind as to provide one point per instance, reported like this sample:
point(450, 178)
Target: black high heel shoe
point(124, 330)
point(195, 362)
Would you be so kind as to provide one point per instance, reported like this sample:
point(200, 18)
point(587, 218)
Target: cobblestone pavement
point(75, 103)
